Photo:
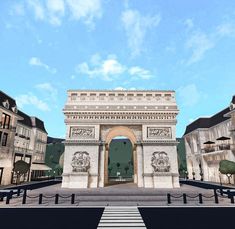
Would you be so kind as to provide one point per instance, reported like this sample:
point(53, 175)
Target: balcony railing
point(22, 136)
point(41, 141)
point(23, 150)
point(217, 148)
point(10, 127)
point(232, 128)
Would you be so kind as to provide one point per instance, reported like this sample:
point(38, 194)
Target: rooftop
point(4, 97)
point(207, 122)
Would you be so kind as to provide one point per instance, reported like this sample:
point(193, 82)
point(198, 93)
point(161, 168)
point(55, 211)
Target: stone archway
point(114, 132)
point(94, 117)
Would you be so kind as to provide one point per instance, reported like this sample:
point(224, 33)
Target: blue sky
point(48, 47)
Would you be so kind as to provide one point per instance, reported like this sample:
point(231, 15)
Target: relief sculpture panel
point(84, 132)
point(158, 132)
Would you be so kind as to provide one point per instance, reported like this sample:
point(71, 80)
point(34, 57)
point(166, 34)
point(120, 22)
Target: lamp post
point(186, 175)
point(201, 174)
point(220, 179)
point(193, 173)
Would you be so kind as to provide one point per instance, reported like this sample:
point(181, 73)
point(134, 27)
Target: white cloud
point(38, 9)
point(226, 29)
point(32, 100)
point(136, 26)
point(56, 10)
point(189, 95)
point(199, 43)
point(140, 72)
point(189, 23)
point(35, 61)
point(110, 68)
point(49, 89)
point(85, 10)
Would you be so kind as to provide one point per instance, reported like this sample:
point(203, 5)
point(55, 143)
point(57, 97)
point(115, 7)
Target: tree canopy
point(21, 167)
point(227, 167)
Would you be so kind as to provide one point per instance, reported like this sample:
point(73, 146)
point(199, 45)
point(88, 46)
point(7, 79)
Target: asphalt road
point(88, 218)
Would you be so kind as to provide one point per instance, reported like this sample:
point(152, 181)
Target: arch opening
point(120, 161)
point(120, 156)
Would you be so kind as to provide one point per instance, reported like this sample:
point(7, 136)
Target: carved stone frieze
point(82, 132)
point(80, 161)
point(160, 162)
point(158, 132)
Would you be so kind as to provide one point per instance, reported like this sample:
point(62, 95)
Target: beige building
point(21, 138)
point(208, 141)
point(8, 122)
point(30, 146)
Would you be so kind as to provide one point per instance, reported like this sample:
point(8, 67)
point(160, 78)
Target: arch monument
point(147, 118)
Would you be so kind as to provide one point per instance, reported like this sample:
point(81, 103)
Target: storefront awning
point(40, 167)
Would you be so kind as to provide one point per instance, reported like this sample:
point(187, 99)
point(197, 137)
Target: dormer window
point(14, 109)
point(6, 104)
point(232, 106)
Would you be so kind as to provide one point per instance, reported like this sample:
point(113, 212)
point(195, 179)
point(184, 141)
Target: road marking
point(121, 217)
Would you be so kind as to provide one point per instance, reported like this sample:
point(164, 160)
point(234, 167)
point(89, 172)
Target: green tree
point(228, 168)
point(118, 165)
point(110, 168)
point(126, 168)
point(20, 168)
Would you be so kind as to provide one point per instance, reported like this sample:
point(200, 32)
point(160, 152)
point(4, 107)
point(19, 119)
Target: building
point(207, 142)
point(95, 117)
point(22, 138)
point(30, 146)
point(9, 117)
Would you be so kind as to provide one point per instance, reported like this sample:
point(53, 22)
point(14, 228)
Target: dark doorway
point(120, 161)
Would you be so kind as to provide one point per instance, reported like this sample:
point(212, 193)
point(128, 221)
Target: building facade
point(147, 118)
point(207, 142)
point(22, 138)
point(9, 117)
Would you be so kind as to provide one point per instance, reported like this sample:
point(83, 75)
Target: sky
point(50, 46)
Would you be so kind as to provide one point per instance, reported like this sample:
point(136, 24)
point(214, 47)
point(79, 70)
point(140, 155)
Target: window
point(5, 121)
point(4, 139)
point(73, 96)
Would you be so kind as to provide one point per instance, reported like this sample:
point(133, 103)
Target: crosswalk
point(121, 217)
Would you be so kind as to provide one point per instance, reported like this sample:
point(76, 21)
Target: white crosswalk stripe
point(121, 217)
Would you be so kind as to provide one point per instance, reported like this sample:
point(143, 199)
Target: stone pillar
point(106, 156)
point(139, 165)
point(135, 164)
point(101, 165)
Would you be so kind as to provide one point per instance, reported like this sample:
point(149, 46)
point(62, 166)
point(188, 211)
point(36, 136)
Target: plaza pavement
point(118, 195)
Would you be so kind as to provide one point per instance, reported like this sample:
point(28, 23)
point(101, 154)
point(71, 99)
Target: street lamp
point(186, 175)
point(193, 173)
point(201, 174)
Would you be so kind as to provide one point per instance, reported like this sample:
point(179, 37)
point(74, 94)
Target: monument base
point(75, 180)
point(163, 180)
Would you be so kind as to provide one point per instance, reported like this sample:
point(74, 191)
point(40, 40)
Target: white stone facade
point(94, 118)
point(203, 159)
